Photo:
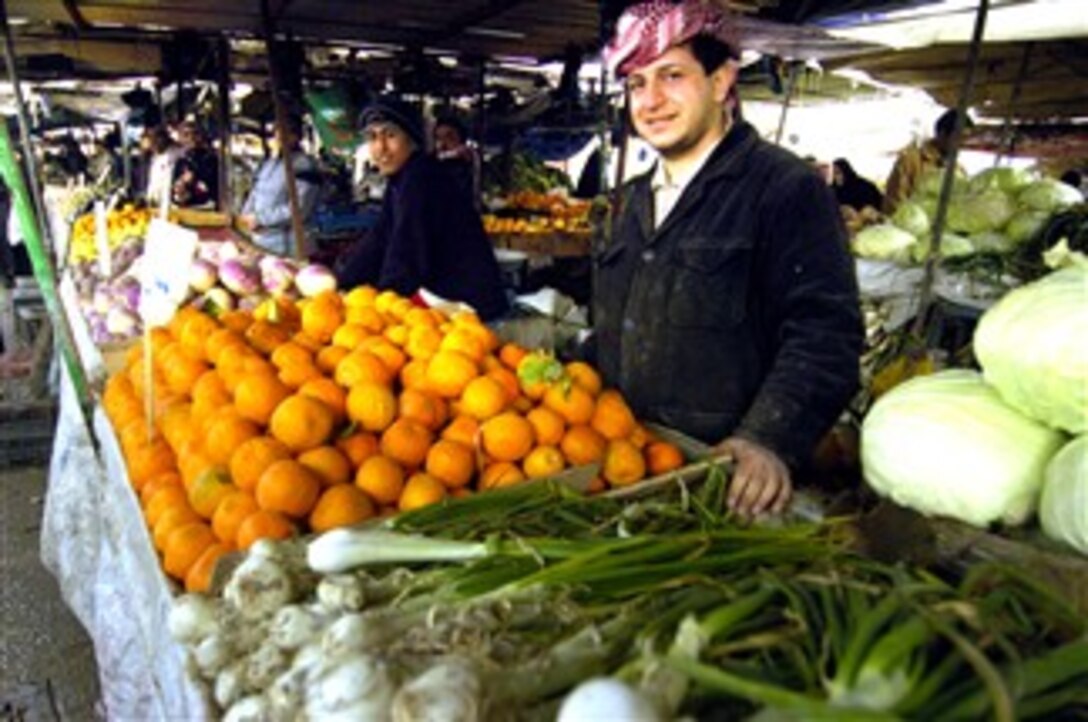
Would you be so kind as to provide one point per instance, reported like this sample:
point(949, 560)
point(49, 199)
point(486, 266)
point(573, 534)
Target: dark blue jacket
point(739, 315)
point(428, 236)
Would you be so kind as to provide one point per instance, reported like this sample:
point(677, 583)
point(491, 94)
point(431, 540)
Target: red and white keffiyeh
point(645, 31)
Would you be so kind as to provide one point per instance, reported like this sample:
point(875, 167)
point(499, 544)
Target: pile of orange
point(323, 413)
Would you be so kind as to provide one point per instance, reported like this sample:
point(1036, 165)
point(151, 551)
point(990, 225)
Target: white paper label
point(168, 256)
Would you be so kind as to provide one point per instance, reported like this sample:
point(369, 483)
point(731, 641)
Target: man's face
point(446, 139)
point(675, 105)
point(390, 147)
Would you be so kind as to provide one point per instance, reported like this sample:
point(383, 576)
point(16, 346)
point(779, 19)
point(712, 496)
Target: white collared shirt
point(667, 190)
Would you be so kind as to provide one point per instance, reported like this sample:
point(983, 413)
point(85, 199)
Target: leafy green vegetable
point(1063, 509)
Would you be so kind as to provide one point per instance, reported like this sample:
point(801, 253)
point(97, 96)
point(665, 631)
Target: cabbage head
point(947, 445)
point(953, 245)
point(1033, 348)
point(912, 218)
point(977, 212)
point(992, 242)
point(1049, 195)
point(1025, 225)
point(929, 183)
point(1063, 509)
point(884, 242)
point(1008, 180)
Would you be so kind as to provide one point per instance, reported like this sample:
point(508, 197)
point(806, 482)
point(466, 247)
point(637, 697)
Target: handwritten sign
point(168, 256)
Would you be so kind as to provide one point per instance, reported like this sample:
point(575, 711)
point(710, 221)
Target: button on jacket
point(739, 314)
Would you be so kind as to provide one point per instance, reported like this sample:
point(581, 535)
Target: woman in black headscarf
point(851, 189)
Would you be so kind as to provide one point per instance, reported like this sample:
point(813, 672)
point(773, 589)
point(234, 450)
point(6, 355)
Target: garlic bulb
point(192, 618)
point(341, 593)
point(258, 588)
point(447, 692)
point(249, 709)
point(293, 626)
point(361, 683)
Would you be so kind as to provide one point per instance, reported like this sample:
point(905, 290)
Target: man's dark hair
point(946, 124)
point(711, 52)
point(452, 121)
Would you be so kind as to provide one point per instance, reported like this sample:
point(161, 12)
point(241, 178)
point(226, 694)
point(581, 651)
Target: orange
point(420, 317)
point(307, 342)
point(508, 380)
point(423, 407)
point(463, 342)
point(507, 437)
point(449, 372)
point(195, 335)
point(623, 463)
point(393, 358)
point(483, 398)
point(612, 418)
point(302, 423)
point(451, 463)
point(231, 512)
point(548, 426)
point(322, 316)
point(407, 442)
point(582, 445)
point(662, 457)
point(366, 317)
point(266, 336)
point(295, 376)
point(182, 373)
point(421, 490)
point(360, 296)
point(199, 578)
point(218, 341)
point(641, 436)
point(471, 324)
point(289, 488)
point(184, 546)
point(328, 463)
point(423, 342)
point(350, 336)
point(341, 505)
point(208, 490)
point(329, 393)
point(358, 447)
point(397, 335)
point(237, 321)
point(596, 485)
point(210, 389)
point(165, 498)
point(251, 458)
point(147, 461)
point(574, 403)
point(290, 354)
point(372, 406)
point(381, 478)
point(329, 357)
point(257, 396)
point(511, 355)
point(361, 367)
point(225, 434)
point(500, 474)
point(463, 430)
point(414, 375)
point(168, 521)
point(170, 478)
point(543, 461)
point(263, 524)
point(585, 376)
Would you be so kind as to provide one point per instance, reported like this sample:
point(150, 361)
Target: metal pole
point(281, 126)
point(24, 127)
point(43, 270)
point(126, 158)
point(1008, 137)
point(791, 83)
point(224, 128)
point(933, 254)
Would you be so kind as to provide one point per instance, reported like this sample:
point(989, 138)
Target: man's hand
point(761, 481)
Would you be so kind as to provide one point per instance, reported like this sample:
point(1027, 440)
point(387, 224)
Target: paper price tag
point(168, 256)
point(102, 239)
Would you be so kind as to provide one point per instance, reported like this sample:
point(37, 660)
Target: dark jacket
point(429, 236)
point(203, 163)
point(740, 314)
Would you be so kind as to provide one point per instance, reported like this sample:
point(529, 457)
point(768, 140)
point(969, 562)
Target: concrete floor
point(47, 665)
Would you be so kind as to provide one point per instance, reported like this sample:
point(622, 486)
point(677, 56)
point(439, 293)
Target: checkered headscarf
point(645, 31)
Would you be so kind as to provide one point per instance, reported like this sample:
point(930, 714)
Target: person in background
point(196, 173)
point(851, 189)
point(457, 155)
point(916, 159)
point(267, 210)
point(428, 234)
point(1072, 178)
point(725, 306)
point(163, 153)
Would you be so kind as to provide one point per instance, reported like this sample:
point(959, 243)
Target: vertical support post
point(933, 254)
point(1008, 136)
point(126, 157)
point(791, 84)
point(223, 84)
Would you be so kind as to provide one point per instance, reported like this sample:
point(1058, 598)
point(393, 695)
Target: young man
point(916, 159)
point(267, 210)
point(726, 305)
point(428, 235)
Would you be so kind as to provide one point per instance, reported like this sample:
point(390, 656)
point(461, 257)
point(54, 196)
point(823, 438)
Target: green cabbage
point(929, 184)
point(952, 246)
point(1033, 347)
point(992, 242)
point(1049, 195)
point(1025, 225)
point(1063, 508)
point(977, 212)
point(947, 445)
point(912, 218)
point(1009, 180)
point(884, 242)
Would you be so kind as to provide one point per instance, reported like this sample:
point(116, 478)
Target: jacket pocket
point(710, 285)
